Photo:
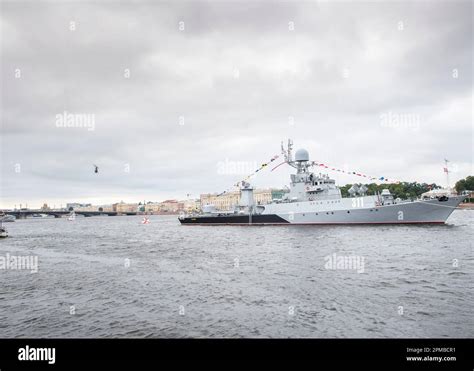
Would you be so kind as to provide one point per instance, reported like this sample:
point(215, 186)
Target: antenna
point(284, 152)
point(288, 154)
point(290, 148)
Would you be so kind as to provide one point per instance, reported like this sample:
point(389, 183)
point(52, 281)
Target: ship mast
point(288, 154)
point(446, 170)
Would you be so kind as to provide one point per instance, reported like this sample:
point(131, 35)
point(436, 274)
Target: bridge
point(23, 214)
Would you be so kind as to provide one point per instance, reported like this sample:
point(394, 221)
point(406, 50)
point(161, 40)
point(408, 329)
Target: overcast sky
point(179, 90)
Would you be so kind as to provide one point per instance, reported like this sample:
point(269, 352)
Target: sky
point(175, 99)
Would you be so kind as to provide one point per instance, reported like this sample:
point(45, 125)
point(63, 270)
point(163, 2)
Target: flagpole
point(446, 170)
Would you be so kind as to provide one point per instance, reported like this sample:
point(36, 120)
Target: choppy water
point(207, 281)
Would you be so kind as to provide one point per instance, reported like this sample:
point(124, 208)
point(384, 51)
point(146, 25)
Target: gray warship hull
point(301, 213)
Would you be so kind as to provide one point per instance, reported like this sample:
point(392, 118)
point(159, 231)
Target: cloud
point(238, 79)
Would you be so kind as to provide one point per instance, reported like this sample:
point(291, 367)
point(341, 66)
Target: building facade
point(168, 206)
point(229, 200)
point(76, 206)
point(223, 202)
point(123, 208)
point(191, 205)
point(172, 206)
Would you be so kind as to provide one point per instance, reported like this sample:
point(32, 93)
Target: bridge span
point(23, 214)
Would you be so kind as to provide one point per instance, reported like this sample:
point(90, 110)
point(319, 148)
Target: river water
point(115, 277)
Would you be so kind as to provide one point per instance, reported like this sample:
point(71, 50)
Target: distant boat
point(3, 232)
point(72, 216)
point(145, 220)
point(4, 218)
point(41, 216)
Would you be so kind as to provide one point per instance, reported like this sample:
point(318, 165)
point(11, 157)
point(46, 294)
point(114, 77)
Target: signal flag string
point(264, 165)
point(381, 178)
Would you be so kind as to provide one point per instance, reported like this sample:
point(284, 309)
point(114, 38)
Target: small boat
point(145, 220)
point(8, 218)
point(44, 216)
point(72, 216)
point(3, 232)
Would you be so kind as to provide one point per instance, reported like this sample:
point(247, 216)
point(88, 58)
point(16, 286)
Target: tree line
point(466, 184)
point(403, 190)
point(407, 190)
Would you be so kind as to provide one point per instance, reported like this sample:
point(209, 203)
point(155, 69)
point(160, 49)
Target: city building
point(229, 200)
point(172, 206)
point(105, 208)
point(123, 208)
point(224, 201)
point(164, 207)
point(191, 205)
point(153, 207)
point(262, 196)
point(75, 205)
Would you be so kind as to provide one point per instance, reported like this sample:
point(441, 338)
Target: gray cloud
point(235, 74)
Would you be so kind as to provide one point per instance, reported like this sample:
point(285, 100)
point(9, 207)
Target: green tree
point(401, 190)
point(466, 184)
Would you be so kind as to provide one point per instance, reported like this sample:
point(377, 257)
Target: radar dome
point(301, 155)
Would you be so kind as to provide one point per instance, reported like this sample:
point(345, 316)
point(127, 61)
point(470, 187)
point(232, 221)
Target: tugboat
point(315, 199)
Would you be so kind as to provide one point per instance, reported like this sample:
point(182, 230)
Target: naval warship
point(315, 199)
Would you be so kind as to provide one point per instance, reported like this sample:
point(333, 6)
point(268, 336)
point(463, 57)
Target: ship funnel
point(246, 196)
